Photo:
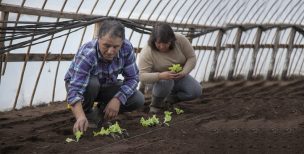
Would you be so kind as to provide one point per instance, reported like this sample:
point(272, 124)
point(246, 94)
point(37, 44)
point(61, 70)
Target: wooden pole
point(3, 62)
point(289, 51)
point(235, 53)
point(216, 54)
point(255, 53)
point(24, 65)
point(96, 30)
point(2, 34)
point(274, 53)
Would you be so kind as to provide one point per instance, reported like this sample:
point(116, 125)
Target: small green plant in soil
point(167, 118)
point(115, 128)
point(152, 121)
point(178, 111)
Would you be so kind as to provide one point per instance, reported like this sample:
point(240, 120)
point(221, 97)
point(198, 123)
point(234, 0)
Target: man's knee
point(91, 93)
point(93, 84)
point(136, 101)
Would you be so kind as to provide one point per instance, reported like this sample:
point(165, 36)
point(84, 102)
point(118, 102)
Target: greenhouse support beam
point(57, 14)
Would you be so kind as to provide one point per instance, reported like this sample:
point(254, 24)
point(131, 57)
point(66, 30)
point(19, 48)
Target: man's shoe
point(95, 118)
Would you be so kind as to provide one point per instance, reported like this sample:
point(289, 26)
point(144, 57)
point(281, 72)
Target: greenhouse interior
point(245, 82)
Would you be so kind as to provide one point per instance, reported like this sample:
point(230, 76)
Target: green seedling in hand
point(78, 135)
point(176, 68)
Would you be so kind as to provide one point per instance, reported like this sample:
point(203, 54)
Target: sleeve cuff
point(74, 101)
point(121, 97)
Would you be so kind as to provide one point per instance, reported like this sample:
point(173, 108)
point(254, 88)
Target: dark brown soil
point(230, 117)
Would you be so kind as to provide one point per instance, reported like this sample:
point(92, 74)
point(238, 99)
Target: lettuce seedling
point(167, 118)
point(102, 132)
point(175, 68)
point(115, 128)
point(78, 135)
point(112, 129)
point(178, 111)
point(150, 121)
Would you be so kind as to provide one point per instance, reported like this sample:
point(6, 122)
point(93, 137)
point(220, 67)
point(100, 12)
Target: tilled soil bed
point(230, 117)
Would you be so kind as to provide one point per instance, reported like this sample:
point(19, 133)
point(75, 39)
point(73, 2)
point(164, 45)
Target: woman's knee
point(190, 93)
point(190, 96)
point(162, 88)
point(198, 90)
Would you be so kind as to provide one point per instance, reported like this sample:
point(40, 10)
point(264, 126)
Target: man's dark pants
point(95, 92)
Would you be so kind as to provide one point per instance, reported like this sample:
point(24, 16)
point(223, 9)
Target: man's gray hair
point(113, 28)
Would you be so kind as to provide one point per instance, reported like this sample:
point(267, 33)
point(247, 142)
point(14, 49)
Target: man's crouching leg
point(94, 115)
point(134, 102)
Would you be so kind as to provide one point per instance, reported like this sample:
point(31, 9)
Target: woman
point(164, 49)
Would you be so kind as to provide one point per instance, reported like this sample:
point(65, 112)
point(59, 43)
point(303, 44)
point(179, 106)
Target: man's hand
point(112, 109)
point(81, 123)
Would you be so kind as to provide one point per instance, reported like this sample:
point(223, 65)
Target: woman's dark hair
point(112, 27)
point(162, 33)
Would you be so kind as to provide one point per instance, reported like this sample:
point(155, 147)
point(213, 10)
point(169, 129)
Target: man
point(93, 76)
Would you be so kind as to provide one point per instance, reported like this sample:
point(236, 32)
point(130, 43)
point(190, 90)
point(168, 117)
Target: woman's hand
point(167, 75)
point(171, 75)
point(180, 75)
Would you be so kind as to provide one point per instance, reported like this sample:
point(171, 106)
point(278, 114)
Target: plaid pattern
point(88, 61)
